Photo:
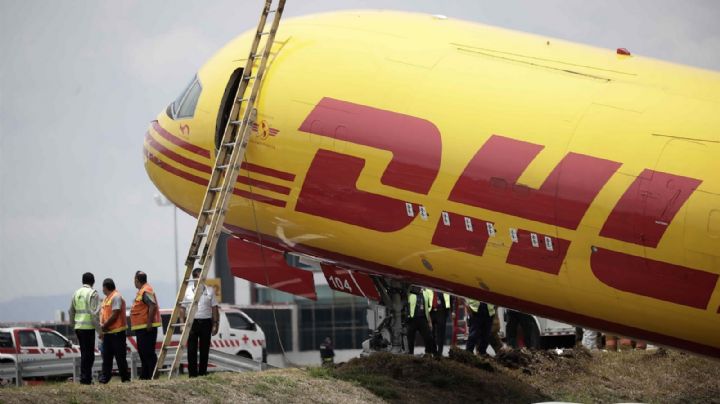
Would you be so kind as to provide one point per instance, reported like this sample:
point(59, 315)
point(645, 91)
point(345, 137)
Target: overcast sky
point(80, 80)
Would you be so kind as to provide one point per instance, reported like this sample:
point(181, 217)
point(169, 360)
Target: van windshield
point(238, 321)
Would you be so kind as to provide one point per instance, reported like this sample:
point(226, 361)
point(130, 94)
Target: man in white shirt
point(204, 325)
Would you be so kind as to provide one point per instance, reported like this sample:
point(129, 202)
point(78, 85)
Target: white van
point(27, 344)
point(238, 334)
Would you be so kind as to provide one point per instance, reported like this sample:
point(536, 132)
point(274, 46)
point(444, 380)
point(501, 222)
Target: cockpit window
point(184, 105)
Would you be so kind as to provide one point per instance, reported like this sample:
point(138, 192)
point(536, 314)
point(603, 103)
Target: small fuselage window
point(184, 105)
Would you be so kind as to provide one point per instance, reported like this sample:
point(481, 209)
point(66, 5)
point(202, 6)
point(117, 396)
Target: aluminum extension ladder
point(222, 182)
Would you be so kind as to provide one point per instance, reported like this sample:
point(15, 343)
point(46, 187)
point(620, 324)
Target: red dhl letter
point(330, 189)
point(647, 207)
point(490, 182)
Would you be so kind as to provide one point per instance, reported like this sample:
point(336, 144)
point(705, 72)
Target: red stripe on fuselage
point(524, 254)
point(656, 279)
point(174, 156)
point(484, 295)
point(202, 167)
point(204, 181)
point(457, 236)
point(179, 142)
point(271, 172)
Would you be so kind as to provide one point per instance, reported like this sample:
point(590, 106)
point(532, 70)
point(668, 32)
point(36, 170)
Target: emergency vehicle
point(238, 334)
point(27, 344)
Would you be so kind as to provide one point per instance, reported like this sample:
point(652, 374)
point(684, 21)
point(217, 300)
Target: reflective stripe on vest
point(120, 323)
point(81, 303)
point(139, 311)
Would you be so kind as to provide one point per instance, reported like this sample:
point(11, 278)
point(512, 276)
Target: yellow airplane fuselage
point(563, 180)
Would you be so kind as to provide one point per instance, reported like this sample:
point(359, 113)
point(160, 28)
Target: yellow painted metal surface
point(472, 82)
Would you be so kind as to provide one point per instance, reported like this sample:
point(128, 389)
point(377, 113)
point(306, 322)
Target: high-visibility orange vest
point(139, 311)
point(120, 323)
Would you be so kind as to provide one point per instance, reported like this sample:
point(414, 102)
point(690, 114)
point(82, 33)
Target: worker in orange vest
point(114, 324)
point(145, 319)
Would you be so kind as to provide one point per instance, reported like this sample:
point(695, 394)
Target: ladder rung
point(222, 167)
point(238, 122)
point(265, 33)
point(241, 100)
point(177, 325)
point(249, 77)
point(215, 189)
point(272, 11)
point(230, 144)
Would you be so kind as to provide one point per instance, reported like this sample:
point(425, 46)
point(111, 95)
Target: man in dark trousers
point(419, 319)
point(480, 323)
point(439, 309)
point(83, 315)
point(205, 324)
point(114, 324)
point(145, 319)
point(327, 353)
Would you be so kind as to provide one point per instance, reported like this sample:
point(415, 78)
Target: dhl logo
point(489, 181)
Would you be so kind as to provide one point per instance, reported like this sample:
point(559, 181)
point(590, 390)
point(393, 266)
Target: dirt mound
point(430, 380)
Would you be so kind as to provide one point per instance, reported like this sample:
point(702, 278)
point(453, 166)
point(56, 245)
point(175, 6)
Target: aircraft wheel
point(522, 331)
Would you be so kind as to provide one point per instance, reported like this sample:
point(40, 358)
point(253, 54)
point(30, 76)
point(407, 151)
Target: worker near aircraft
point(145, 319)
point(419, 319)
point(205, 324)
point(84, 319)
point(114, 324)
point(439, 309)
point(480, 324)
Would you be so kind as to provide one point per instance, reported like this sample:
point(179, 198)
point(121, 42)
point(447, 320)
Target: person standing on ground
point(480, 322)
point(327, 353)
point(439, 309)
point(84, 319)
point(419, 319)
point(114, 324)
point(205, 324)
point(145, 319)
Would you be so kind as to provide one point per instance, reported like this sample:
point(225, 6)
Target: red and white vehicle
point(238, 334)
point(27, 344)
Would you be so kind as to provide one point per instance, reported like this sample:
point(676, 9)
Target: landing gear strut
point(385, 318)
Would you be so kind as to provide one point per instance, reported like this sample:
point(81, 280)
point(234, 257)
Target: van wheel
point(522, 331)
point(244, 354)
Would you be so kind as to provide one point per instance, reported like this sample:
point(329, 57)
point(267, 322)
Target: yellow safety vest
point(412, 300)
point(81, 304)
point(474, 305)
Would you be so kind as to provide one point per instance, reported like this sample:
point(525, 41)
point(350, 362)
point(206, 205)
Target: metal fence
point(20, 370)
